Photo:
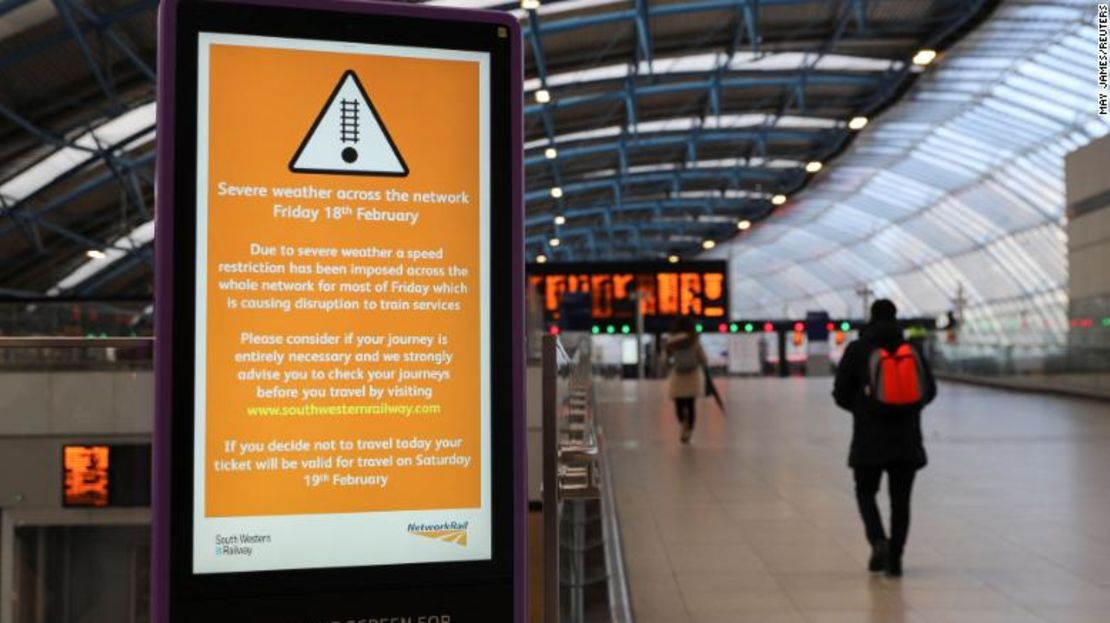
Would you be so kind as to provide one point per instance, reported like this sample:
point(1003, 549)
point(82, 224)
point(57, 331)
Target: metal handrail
point(620, 602)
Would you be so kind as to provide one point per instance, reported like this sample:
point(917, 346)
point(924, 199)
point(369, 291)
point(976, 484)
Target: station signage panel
point(86, 476)
point(342, 226)
point(610, 292)
point(104, 476)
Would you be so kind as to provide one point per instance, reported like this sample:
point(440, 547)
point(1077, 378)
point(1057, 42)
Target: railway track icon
point(349, 137)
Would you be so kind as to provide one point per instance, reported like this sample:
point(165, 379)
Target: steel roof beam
point(567, 233)
point(540, 60)
point(657, 207)
point(141, 255)
point(107, 19)
point(7, 6)
point(30, 232)
point(64, 200)
point(707, 83)
point(675, 178)
point(860, 14)
point(41, 134)
point(94, 65)
point(643, 32)
point(114, 37)
point(661, 10)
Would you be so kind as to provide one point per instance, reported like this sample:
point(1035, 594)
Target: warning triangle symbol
point(348, 137)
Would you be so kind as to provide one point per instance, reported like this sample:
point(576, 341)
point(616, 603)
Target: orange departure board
point(576, 295)
point(86, 475)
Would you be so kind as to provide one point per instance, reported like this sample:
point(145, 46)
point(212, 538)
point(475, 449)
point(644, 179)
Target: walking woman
point(686, 382)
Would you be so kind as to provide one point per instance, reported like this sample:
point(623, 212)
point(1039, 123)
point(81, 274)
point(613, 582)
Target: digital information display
point(343, 217)
point(612, 291)
point(342, 394)
point(86, 476)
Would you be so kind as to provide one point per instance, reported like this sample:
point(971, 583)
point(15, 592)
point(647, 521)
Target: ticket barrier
point(584, 579)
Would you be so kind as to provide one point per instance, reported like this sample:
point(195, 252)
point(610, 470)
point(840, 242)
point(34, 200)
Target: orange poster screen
point(86, 475)
point(342, 401)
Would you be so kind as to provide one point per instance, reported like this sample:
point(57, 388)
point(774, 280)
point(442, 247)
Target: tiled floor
point(755, 520)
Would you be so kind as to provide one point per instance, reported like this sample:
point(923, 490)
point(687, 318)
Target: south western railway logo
point(449, 531)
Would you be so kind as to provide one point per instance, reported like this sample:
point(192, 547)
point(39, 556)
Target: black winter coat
point(879, 436)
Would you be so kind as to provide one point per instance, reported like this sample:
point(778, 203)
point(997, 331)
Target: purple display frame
point(164, 272)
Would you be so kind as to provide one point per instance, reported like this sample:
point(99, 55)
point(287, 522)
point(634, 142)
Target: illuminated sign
point(343, 380)
point(611, 292)
point(344, 230)
point(98, 476)
point(86, 475)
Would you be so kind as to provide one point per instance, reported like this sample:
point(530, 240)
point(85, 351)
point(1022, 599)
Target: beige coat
point(688, 384)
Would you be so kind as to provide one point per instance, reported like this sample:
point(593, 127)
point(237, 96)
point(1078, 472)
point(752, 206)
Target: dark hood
point(681, 341)
point(885, 334)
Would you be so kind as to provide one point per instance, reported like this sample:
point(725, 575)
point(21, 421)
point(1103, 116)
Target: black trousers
point(684, 409)
point(900, 485)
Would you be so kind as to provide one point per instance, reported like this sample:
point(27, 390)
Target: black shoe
point(894, 566)
point(880, 555)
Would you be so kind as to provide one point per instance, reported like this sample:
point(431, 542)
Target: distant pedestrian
point(885, 382)
point(686, 383)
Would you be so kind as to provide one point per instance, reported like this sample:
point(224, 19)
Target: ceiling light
point(554, 242)
point(543, 96)
point(708, 244)
point(556, 192)
point(560, 220)
point(96, 254)
point(744, 225)
point(529, 5)
point(541, 259)
point(857, 123)
point(778, 199)
point(924, 57)
point(673, 259)
point(814, 167)
point(551, 153)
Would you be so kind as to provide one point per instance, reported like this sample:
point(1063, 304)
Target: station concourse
point(756, 519)
point(564, 311)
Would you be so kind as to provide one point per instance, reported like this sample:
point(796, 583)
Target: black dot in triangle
point(350, 154)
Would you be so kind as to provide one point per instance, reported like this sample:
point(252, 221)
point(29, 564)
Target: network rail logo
point(449, 531)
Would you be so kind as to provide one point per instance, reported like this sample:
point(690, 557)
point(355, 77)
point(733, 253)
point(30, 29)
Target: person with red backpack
point(885, 382)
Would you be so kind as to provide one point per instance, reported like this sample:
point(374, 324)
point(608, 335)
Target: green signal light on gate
point(1106, 322)
point(734, 327)
point(610, 329)
point(626, 329)
point(595, 329)
point(844, 326)
point(699, 328)
point(748, 328)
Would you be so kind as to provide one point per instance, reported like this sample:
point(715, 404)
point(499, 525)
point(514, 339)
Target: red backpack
point(898, 378)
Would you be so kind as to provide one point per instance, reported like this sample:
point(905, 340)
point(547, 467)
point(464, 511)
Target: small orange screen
point(86, 476)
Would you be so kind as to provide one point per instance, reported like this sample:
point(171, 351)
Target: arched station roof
point(959, 188)
point(658, 124)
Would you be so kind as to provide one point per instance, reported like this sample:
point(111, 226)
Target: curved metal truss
point(651, 126)
point(956, 193)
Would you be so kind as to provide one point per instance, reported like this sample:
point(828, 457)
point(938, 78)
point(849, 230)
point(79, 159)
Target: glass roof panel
point(970, 192)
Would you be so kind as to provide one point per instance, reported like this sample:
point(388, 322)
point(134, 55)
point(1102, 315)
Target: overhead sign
point(612, 291)
point(86, 475)
point(344, 228)
point(106, 476)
